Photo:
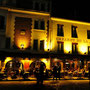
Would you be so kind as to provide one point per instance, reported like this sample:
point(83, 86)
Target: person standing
point(55, 72)
point(41, 73)
point(58, 71)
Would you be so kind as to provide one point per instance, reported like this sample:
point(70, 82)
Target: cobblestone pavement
point(48, 85)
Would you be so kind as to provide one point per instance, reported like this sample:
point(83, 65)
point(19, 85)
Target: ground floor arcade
point(75, 67)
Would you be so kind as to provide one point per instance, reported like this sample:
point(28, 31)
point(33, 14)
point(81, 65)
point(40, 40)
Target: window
point(88, 49)
point(2, 22)
point(42, 27)
point(36, 6)
point(8, 42)
point(48, 7)
point(43, 7)
point(35, 45)
point(39, 24)
point(42, 45)
point(23, 31)
point(88, 34)
point(0, 2)
point(74, 32)
point(60, 30)
point(74, 47)
point(60, 47)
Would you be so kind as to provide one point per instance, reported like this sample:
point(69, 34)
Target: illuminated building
point(27, 36)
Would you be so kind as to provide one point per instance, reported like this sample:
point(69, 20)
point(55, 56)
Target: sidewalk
point(34, 79)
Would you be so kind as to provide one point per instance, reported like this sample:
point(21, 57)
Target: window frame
point(88, 36)
point(60, 31)
point(2, 26)
point(40, 26)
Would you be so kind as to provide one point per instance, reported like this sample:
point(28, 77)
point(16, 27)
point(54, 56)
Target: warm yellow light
point(47, 63)
point(83, 49)
point(22, 43)
point(22, 46)
point(44, 60)
point(8, 59)
point(45, 46)
point(67, 48)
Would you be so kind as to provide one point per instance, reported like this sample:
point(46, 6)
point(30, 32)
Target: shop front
point(70, 67)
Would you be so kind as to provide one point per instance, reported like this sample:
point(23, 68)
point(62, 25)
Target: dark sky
point(71, 10)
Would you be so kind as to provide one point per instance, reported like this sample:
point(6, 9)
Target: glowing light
point(45, 46)
point(44, 60)
point(8, 59)
point(22, 46)
point(83, 49)
point(26, 63)
point(22, 43)
point(47, 63)
point(67, 48)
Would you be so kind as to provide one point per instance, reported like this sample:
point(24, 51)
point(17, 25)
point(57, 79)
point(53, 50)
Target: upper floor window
point(88, 34)
point(42, 6)
point(2, 22)
point(74, 32)
point(37, 7)
point(0, 2)
point(39, 24)
point(60, 30)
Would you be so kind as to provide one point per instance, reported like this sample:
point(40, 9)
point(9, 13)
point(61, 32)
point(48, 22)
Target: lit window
point(74, 47)
point(74, 32)
point(88, 34)
point(60, 47)
point(60, 30)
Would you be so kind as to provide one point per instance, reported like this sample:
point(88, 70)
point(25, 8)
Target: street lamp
point(22, 46)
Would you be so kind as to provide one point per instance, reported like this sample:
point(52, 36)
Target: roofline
point(69, 21)
point(24, 11)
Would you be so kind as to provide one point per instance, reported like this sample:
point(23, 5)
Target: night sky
point(71, 10)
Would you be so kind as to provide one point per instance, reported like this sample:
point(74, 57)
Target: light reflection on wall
point(47, 62)
point(82, 48)
point(67, 47)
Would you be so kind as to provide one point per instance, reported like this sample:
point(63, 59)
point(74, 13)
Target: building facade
point(31, 37)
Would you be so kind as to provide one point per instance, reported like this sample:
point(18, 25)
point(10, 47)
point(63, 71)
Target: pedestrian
point(58, 71)
point(55, 72)
point(41, 73)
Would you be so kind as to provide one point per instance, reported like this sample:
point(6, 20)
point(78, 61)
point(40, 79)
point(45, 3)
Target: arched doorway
point(36, 66)
point(13, 67)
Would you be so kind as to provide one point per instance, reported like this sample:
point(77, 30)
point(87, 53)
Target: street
point(48, 85)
